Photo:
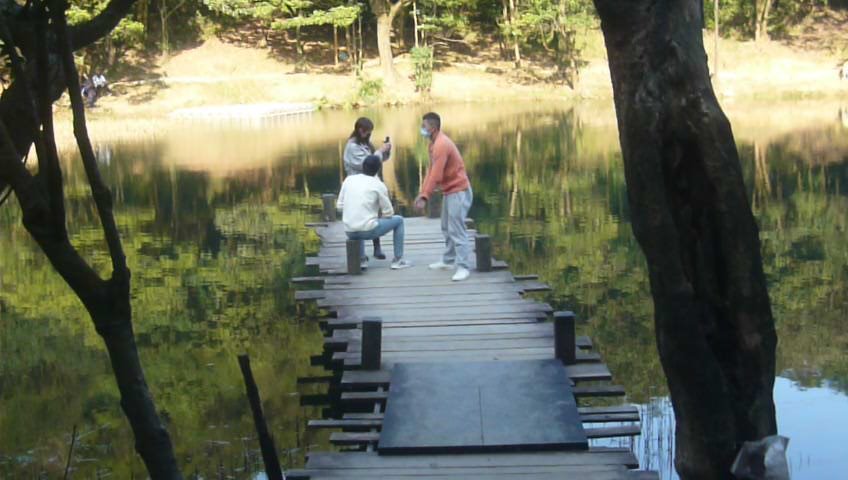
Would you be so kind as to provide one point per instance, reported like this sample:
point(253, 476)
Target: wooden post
point(372, 343)
point(434, 205)
point(329, 200)
point(354, 257)
point(266, 443)
point(483, 245)
point(565, 341)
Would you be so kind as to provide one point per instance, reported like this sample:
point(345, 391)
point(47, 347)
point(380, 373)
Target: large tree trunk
point(690, 214)
point(385, 13)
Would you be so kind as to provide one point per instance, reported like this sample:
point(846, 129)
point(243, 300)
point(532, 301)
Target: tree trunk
point(385, 13)
point(512, 15)
point(715, 49)
point(415, 20)
point(163, 18)
point(360, 49)
point(762, 9)
point(335, 45)
point(107, 301)
point(691, 216)
point(299, 48)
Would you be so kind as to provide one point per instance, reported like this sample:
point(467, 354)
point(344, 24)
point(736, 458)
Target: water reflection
point(213, 222)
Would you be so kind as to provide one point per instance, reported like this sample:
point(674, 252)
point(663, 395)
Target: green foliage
point(736, 17)
point(128, 34)
point(368, 90)
point(422, 62)
point(341, 16)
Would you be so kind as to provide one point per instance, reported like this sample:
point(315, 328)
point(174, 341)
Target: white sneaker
point(400, 264)
point(440, 265)
point(461, 274)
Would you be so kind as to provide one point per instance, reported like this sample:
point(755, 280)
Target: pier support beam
point(329, 200)
point(483, 246)
point(434, 206)
point(372, 343)
point(354, 257)
point(565, 339)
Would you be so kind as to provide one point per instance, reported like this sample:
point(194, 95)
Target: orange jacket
point(447, 169)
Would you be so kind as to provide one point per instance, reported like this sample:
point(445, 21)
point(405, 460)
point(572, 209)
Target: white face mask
point(425, 133)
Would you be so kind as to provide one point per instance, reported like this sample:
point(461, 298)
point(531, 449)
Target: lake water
point(213, 225)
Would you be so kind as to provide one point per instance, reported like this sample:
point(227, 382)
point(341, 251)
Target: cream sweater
point(361, 200)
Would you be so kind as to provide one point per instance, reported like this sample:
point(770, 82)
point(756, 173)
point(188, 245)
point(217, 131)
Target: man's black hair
point(434, 119)
point(371, 165)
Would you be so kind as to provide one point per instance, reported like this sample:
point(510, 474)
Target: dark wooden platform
point(427, 318)
point(477, 407)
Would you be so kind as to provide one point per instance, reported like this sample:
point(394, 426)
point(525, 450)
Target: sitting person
point(362, 199)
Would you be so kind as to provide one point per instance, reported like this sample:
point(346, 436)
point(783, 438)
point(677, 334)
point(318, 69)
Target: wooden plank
point(374, 461)
point(456, 332)
point(448, 308)
point(582, 472)
point(374, 420)
point(359, 397)
point(605, 410)
point(353, 438)
point(347, 424)
point(610, 432)
point(393, 357)
point(445, 289)
point(301, 280)
point(599, 391)
point(466, 345)
point(468, 300)
point(477, 356)
point(342, 283)
point(375, 378)
point(518, 310)
point(611, 417)
point(306, 295)
point(349, 324)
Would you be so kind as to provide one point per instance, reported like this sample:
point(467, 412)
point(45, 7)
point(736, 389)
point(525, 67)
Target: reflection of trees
point(195, 311)
point(584, 248)
point(212, 254)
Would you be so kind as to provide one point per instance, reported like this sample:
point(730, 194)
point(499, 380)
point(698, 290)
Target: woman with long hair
point(357, 149)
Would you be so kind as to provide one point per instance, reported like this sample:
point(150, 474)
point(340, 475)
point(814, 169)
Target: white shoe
point(461, 274)
point(440, 265)
point(400, 264)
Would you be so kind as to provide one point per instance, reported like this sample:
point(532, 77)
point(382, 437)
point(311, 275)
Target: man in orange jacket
point(447, 171)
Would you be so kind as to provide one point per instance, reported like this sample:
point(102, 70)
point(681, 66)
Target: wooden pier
point(392, 335)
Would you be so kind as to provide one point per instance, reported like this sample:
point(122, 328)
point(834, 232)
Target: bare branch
point(99, 191)
point(173, 10)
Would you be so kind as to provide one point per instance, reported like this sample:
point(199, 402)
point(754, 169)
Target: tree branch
point(48, 157)
point(171, 11)
point(82, 279)
point(99, 191)
point(98, 27)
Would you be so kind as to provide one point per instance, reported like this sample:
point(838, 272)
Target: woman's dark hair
point(362, 123)
point(371, 165)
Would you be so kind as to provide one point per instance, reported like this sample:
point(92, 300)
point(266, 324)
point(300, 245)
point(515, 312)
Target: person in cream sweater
point(362, 199)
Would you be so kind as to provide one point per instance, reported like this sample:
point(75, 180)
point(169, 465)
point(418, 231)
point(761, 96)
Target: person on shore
point(362, 199)
point(447, 171)
point(357, 149)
